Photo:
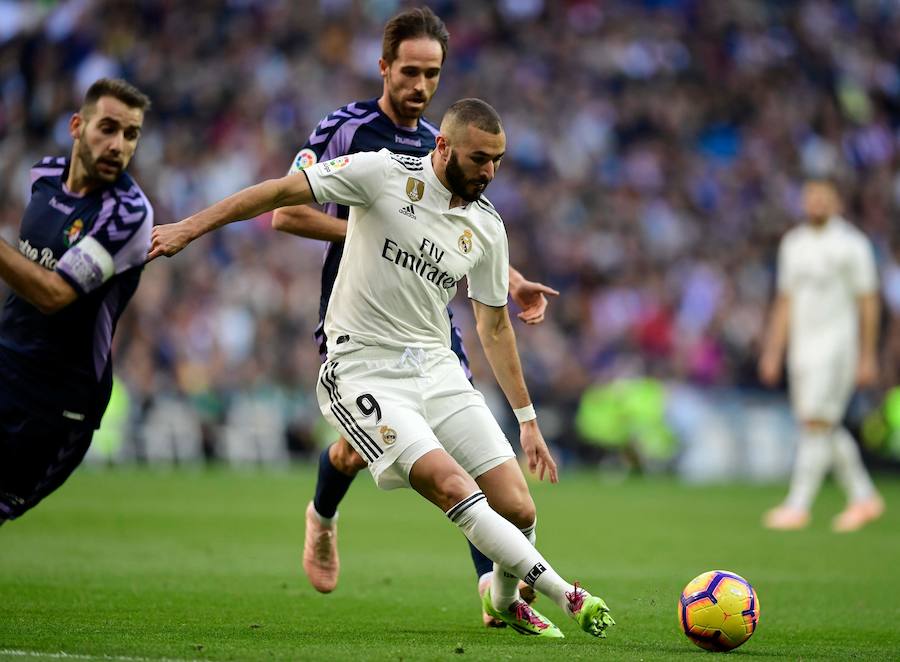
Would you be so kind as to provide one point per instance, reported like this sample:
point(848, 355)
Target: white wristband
point(525, 414)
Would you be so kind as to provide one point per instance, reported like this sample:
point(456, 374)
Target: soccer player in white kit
point(414, 49)
point(391, 383)
point(826, 314)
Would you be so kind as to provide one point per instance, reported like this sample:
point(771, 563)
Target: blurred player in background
point(391, 382)
point(82, 245)
point(413, 52)
point(826, 315)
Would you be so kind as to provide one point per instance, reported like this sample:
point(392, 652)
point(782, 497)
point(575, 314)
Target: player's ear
point(383, 66)
point(76, 122)
point(442, 146)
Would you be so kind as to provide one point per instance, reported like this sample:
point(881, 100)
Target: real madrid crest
point(388, 435)
point(465, 241)
point(415, 189)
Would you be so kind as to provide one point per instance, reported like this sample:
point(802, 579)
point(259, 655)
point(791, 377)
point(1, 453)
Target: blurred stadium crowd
point(656, 150)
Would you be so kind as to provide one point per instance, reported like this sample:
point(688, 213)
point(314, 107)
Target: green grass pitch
point(205, 565)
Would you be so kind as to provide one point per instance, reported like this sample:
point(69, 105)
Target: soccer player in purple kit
point(83, 243)
point(413, 52)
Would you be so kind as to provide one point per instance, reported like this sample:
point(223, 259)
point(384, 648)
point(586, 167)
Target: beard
point(469, 190)
point(92, 172)
point(405, 112)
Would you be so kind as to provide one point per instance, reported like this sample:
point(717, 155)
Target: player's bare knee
point(345, 459)
point(527, 515)
point(454, 487)
point(437, 477)
point(509, 496)
point(521, 512)
point(445, 489)
point(354, 460)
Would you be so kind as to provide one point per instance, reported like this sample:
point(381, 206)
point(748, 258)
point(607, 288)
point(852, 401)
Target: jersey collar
point(387, 118)
point(62, 182)
point(441, 191)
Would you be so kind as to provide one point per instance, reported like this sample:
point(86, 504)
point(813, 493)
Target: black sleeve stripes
point(410, 163)
point(486, 205)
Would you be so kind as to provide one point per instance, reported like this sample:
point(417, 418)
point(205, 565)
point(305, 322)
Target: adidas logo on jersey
point(408, 210)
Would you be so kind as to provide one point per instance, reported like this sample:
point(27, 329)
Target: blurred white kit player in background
point(826, 315)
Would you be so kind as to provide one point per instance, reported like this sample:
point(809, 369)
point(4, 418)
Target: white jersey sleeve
point(489, 277)
point(863, 273)
point(354, 180)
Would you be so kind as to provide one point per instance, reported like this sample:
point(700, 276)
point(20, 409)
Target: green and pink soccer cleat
point(526, 592)
point(589, 611)
point(521, 618)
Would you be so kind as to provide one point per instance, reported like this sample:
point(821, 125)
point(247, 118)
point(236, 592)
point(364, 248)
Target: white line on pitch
point(62, 655)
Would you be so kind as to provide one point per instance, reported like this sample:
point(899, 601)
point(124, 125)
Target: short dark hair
point(413, 24)
point(474, 112)
point(118, 89)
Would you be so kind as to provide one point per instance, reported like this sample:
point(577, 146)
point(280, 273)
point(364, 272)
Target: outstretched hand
point(529, 296)
point(168, 239)
point(540, 462)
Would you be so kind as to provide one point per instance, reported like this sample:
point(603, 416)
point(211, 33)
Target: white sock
point(504, 583)
point(849, 468)
point(812, 463)
point(530, 532)
point(499, 539)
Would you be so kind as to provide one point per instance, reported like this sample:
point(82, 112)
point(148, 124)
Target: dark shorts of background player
point(455, 344)
point(37, 455)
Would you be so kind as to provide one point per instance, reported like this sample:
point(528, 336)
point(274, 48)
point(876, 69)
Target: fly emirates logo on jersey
point(421, 264)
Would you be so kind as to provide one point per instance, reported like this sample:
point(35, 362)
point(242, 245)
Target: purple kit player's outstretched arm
point(82, 246)
point(414, 49)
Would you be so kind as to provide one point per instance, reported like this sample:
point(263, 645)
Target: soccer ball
point(718, 610)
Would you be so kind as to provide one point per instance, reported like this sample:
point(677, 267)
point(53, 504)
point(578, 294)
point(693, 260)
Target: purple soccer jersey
point(60, 364)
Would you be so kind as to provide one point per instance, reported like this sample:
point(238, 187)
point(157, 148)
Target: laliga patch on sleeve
point(332, 166)
point(88, 263)
point(304, 159)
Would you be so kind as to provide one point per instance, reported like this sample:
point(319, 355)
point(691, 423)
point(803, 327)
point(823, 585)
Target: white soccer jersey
point(405, 251)
point(824, 271)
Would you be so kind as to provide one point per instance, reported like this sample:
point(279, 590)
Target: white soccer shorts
point(395, 406)
point(821, 390)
